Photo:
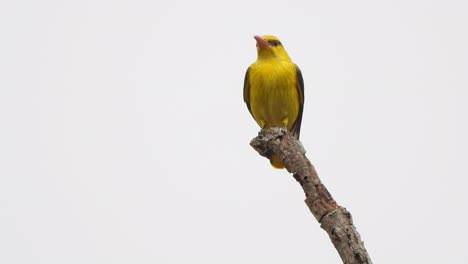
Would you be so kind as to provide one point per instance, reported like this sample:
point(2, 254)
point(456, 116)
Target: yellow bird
point(274, 89)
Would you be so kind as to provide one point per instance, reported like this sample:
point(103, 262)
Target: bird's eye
point(274, 43)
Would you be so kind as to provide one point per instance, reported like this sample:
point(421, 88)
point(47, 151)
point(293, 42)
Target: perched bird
point(274, 89)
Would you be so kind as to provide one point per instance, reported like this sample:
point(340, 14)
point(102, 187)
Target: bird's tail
point(276, 162)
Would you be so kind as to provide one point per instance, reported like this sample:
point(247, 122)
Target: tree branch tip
point(261, 143)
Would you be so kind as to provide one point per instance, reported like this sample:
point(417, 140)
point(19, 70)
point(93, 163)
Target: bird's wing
point(296, 129)
point(247, 90)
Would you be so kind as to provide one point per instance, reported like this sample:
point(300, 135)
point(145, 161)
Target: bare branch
point(334, 219)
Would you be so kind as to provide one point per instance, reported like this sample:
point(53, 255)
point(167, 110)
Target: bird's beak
point(261, 43)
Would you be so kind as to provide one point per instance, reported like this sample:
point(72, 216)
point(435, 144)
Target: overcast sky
point(124, 137)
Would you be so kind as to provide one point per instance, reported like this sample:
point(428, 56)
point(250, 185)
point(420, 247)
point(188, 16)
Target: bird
point(274, 89)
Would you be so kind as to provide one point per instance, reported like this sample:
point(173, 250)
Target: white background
point(124, 137)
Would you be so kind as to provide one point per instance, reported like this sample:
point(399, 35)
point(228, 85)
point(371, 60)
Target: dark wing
point(296, 129)
point(247, 90)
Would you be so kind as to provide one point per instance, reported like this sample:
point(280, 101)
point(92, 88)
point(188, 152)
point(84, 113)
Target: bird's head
point(269, 47)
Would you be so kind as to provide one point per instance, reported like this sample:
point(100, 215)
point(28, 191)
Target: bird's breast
point(274, 98)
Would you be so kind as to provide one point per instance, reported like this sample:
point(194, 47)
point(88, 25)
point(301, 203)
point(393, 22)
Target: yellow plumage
point(274, 89)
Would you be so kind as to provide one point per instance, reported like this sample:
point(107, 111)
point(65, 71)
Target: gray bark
point(334, 219)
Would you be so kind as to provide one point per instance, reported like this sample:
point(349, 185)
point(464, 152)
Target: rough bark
point(334, 219)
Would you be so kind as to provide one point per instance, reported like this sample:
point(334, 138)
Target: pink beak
point(261, 43)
